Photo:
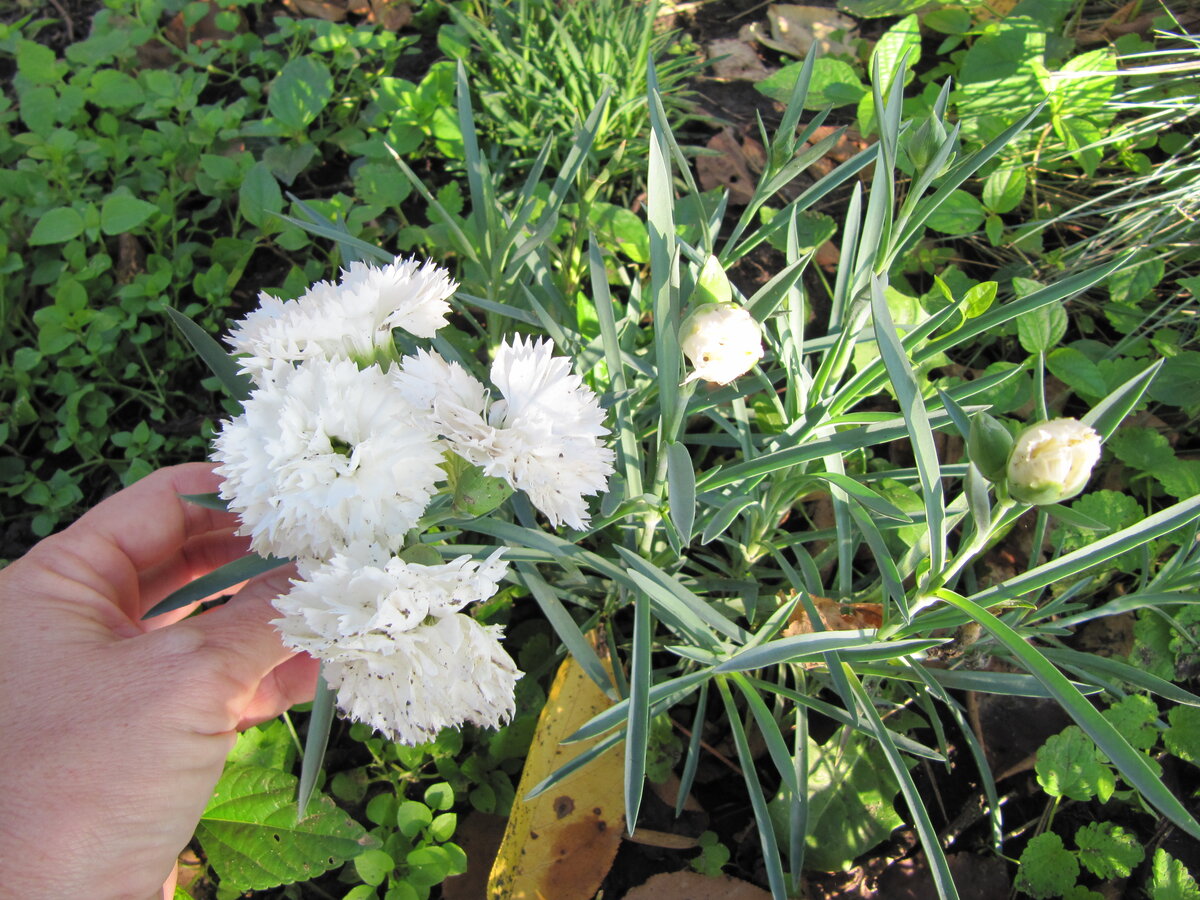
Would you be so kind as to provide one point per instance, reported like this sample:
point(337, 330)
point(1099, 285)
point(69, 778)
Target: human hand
point(116, 729)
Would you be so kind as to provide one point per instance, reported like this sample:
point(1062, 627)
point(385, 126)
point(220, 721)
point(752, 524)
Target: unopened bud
point(1052, 461)
point(722, 341)
point(989, 445)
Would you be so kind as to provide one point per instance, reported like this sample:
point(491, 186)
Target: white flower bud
point(721, 341)
point(1052, 461)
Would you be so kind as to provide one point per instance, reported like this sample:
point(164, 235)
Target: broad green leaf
point(56, 226)
point(960, 213)
point(1004, 189)
point(1171, 880)
point(1048, 869)
point(1068, 766)
point(1137, 278)
point(124, 212)
point(253, 840)
point(1078, 372)
point(1182, 738)
point(1041, 329)
point(1134, 716)
point(269, 746)
point(1084, 86)
point(1107, 850)
point(850, 796)
point(901, 40)
point(834, 83)
point(302, 90)
point(259, 195)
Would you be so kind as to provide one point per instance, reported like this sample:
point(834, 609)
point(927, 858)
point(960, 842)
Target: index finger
point(149, 521)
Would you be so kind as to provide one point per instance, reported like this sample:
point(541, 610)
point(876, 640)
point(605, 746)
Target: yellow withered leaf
point(561, 844)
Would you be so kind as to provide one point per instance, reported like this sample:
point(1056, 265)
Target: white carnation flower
point(550, 429)
point(350, 320)
point(393, 643)
point(440, 675)
point(358, 594)
point(326, 457)
point(1052, 461)
point(543, 437)
point(722, 341)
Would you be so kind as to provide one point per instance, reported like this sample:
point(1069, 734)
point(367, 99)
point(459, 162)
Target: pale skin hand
point(114, 730)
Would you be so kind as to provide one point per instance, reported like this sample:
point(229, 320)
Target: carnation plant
point(678, 514)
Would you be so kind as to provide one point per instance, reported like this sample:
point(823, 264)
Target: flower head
point(352, 319)
point(394, 644)
point(1052, 461)
point(327, 457)
point(544, 437)
point(722, 341)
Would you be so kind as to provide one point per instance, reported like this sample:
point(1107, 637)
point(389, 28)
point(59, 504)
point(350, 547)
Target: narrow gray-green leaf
point(681, 489)
point(1132, 764)
point(214, 582)
point(1106, 415)
point(638, 737)
point(916, 419)
point(237, 385)
point(320, 721)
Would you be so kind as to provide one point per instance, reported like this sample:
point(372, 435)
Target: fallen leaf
point(794, 30)
point(330, 12)
point(561, 844)
point(731, 166)
point(391, 14)
point(835, 616)
point(694, 886)
point(735, 59)
point(994, 9)
point(179, 34)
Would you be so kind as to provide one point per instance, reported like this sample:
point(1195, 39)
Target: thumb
point(229, 650)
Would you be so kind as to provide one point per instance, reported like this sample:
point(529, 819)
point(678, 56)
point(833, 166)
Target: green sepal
point(713, 284)
point(989, 444)
point(474, 494)
point(422, 555)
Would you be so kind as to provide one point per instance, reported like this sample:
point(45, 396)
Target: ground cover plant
point(830, 526)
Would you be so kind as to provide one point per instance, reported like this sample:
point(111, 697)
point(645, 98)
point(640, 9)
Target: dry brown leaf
point(794, 30)
point(835, 616)
point(737, 60)
point(330, 12)
point(561, 844)
point(732, 168)
point(694, 886)
point(391, 14)
point(994, 9)
point(205, 30)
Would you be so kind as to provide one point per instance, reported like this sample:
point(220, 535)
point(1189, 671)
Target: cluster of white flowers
point(337, 454)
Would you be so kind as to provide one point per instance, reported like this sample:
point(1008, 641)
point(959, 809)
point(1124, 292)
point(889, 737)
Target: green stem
point(978, 542)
